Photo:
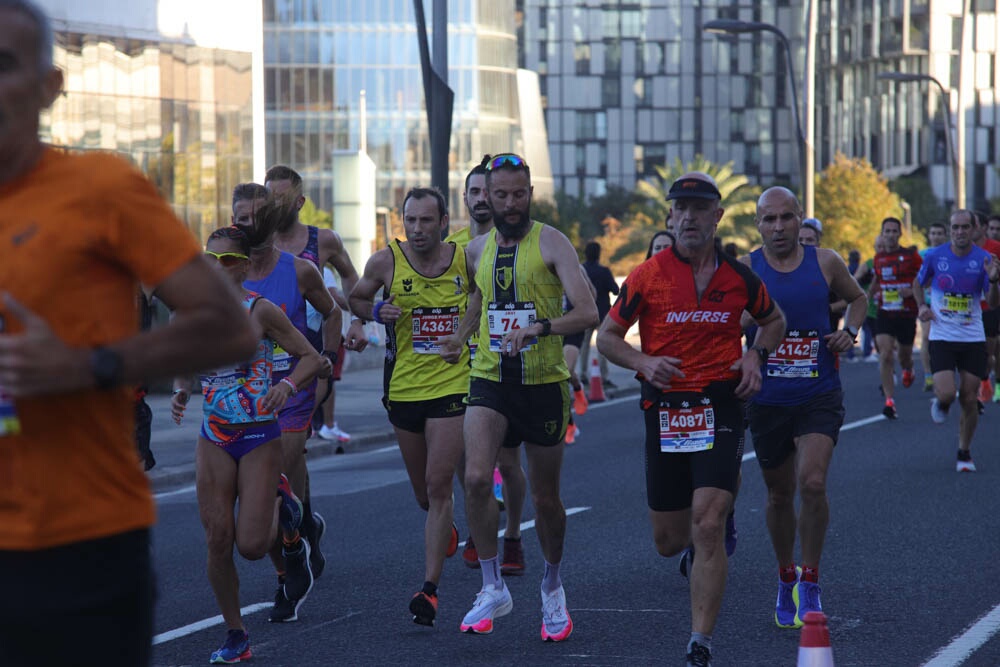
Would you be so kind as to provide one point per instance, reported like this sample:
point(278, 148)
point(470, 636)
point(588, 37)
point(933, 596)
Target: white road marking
point(206, 623)
point(968, 642)
point(175, 492)
point(525, 525)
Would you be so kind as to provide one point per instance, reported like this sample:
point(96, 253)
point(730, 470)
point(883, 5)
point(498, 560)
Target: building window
point(613, 56)
point(611, 93)
point(581, 53)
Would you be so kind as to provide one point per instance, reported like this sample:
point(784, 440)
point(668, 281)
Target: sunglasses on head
point(227, 258)
point(506, 160)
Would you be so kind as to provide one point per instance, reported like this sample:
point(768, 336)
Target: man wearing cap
point(796, 417)
point(695, 376)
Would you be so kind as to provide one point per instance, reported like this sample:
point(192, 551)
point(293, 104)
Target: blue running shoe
point(806, 596)
point(290, 512)
point(731, 534)
point(235, 649)
point(786, 607)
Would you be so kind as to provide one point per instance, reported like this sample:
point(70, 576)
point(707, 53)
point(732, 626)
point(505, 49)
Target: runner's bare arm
point(378, 272)
point(771, 329)
point(658, 371)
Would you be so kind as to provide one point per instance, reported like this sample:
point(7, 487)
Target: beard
point(481, 214)
point(516, 230)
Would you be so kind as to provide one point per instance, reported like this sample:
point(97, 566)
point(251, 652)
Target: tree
point(851, 201)
point(310, 215)
point(924, 206)
point(739, 198)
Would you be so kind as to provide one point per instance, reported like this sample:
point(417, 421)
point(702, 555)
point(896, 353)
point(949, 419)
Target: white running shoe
point(965, 466)
point(938, 414)
point(556, 623)
point(491, 602)
point(334, 433)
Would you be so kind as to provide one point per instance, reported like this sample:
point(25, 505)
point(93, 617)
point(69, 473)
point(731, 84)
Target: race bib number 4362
point(429, 324)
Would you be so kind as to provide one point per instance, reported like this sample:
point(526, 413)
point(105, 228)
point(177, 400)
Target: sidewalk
point(359, 412)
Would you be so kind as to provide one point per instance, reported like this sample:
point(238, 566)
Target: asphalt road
point(908, 571)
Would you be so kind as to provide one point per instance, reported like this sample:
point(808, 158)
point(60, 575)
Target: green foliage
point(924, 206)
point(851, 201)
point(310, 215)
point(739, 198)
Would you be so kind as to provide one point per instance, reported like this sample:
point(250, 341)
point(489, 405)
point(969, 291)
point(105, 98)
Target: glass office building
point(321, 54)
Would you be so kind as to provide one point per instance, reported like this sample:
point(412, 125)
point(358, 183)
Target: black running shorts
point(413, 415)
point(967, 357)
point(774, 428)
point(536, 413)
point(900, 327)
point(991, 322)
point(672, 477)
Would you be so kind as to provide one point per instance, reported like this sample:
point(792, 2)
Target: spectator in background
point(660, 241)
point(602, 280)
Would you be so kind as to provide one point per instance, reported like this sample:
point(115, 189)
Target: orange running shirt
point(77, 235)
point(704, 334)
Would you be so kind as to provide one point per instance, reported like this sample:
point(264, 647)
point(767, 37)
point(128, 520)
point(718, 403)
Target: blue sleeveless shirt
point(802, 366)
point(281, 287)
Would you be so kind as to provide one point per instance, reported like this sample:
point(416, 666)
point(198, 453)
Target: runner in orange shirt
point(78, 234)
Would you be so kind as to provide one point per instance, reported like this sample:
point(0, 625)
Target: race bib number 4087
point(688, 428)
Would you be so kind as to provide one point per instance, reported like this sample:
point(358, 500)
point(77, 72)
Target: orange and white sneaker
point(424, 608)
point(908, 378)
point(556, 623)
point(572, 430)
point(579, 401)
point(985, 392)
point(491, 602)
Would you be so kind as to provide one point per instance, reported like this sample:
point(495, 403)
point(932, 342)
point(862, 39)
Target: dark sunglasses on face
point(227, 259)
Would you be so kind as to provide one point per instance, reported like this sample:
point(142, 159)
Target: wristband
point(291, 385)
point(546, 326)
point(378, 307)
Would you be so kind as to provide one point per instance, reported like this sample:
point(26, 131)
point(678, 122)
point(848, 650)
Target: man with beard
point(289, 282)
point(518, 391)
point(959, 275)
point(695, 376)
point(427, 283)
point(515, 485)
point(796, 417)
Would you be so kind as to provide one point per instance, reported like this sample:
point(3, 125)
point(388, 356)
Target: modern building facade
point(165, 86)
point(901, 127)
point(321, 54)
point(630, 84)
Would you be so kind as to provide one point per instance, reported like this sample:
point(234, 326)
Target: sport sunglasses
point(506, 160)
point(227, 259)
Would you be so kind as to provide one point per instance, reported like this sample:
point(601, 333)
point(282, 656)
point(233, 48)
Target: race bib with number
point(797, 356)
point(282, 359)
point(506, 317)
point(223, 377)
point(429, 324)
point(891, 297)
point(687, 427)
point(956, 308)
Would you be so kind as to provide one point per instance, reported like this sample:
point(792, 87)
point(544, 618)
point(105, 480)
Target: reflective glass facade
point(182, 113)
point(321, 54)
point(630, 84)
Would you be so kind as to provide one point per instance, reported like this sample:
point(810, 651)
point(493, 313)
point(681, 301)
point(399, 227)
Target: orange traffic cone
point(596, 383)
point(814, 645)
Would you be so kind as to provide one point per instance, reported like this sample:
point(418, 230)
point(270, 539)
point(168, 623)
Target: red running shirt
point(896, 270)
point(704, 334)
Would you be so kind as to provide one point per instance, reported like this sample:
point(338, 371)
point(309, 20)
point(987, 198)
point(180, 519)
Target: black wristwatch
point(762, 352)
point(107, 367)
point(546, 326)
point(852, 331)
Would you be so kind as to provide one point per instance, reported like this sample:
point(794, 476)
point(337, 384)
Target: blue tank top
point(233, 394)
point(802, 366)
point(281, 287)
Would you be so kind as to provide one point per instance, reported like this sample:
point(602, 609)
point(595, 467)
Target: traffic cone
point(596, 383)
point(814, 645)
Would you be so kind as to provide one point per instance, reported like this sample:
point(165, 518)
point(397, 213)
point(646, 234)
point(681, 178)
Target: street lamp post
point(958, 169)
point(733, 26)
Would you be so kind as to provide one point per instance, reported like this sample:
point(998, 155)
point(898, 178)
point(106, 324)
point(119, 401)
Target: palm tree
point(739, 198)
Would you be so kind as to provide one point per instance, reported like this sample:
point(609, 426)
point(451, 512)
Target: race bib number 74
point(506, 317)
